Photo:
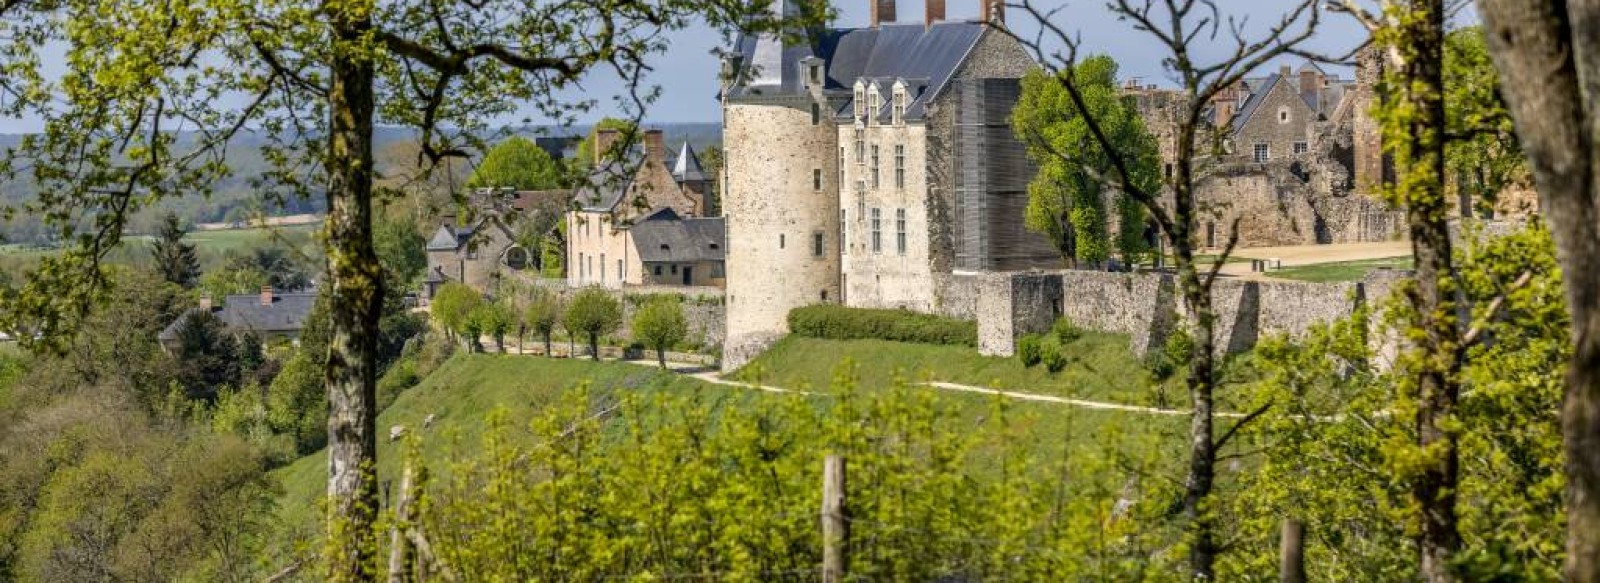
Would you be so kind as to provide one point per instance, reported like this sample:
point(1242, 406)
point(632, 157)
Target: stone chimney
point(1285, 71)
point(603, 140)
point(882, 11)
point(655, 146)
point(992, 11)
point(1224, 112)
point(205, 302)
point(266, 295)
point(1310, 81)
point(935, 13)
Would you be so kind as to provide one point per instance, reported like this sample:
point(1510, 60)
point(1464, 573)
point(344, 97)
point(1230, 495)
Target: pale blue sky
point(687, 72)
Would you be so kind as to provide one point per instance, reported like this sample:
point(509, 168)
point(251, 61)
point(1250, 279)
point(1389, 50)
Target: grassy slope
point(1340, 271)
point(1102, 367)
point(467, 388)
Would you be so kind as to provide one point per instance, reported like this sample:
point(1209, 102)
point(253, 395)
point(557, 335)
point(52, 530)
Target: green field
point(211, 247)
point(464, 391)
point(1340, 271)
point(1102, 368)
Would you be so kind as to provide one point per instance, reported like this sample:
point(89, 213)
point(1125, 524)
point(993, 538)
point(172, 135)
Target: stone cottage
point(480, 249)
point(870, 165)
point(640, 219)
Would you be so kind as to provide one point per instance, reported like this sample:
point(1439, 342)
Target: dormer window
point(814, 72)
point(861, 102)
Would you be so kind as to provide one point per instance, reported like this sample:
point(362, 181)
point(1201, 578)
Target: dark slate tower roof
point(687, 167)
point(928, 54)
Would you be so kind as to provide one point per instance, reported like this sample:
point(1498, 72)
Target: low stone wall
point(1146, 307)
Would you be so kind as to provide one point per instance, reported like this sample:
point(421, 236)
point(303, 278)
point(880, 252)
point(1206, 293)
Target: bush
point(1052, 354)
point(834, 322)
point(1066, 332)
point(1172, 357)
point(1030, 349)
point(659, 325)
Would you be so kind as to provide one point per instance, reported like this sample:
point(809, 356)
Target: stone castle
point(871, 166)
point(876, 166)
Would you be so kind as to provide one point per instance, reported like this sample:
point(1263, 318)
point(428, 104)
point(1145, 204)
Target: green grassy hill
point(465, 390)
point(1102, 367)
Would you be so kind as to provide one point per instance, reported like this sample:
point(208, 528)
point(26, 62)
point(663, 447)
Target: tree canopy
point(518, 163)
point(1067, 200)
point(593, 313)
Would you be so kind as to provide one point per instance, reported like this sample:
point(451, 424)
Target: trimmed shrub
point(1030, 349)
point(1055, 358)
point(1066, 332)
point(1173, 356)
point(834, 322)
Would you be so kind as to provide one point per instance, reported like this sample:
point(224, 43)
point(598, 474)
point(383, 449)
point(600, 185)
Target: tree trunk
point(1547, 60)
point(1200, 383)
point(547, 349)
point(594, 347)
point(357, 281)
point(1419, 156)
point(661, 357)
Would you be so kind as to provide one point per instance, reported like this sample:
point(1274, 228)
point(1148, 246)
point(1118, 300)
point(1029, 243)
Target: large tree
point(1483, 156)
point(1546, 53)
point(1066, 200)
point(312, 77)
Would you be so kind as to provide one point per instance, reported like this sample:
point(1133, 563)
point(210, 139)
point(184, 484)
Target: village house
point(269, 315)
point(869, 166)
point(481, 248)
point(640, 219)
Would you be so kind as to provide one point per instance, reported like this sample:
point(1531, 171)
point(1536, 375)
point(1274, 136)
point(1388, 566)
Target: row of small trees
point(591, 314)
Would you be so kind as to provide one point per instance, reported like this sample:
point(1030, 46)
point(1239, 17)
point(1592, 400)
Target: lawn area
point(1340, 271)
point(463, 392)
point(1102, 367)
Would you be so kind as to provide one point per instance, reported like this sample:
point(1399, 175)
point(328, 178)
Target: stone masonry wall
point(1146, 307)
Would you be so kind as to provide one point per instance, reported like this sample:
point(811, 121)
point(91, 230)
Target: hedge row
point(835, 322)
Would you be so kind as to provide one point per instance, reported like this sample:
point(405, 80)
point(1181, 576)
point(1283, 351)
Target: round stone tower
point(780, 190)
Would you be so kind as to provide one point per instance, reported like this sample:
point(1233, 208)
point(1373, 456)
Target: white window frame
point(1301, 148)
point(876, 175)
point(900, 231)
point(877, 230)
point(899, 166)
point(1261, 152)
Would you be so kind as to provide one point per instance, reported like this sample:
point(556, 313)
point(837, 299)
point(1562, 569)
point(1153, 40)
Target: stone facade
point(1146, 307)
point(773, 152)
point(841, 168)
point(1302, 161)
point(601, 250)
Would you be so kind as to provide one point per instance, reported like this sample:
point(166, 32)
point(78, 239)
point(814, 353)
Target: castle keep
point(871, 166)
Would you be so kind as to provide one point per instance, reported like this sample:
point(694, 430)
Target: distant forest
point(234, 199)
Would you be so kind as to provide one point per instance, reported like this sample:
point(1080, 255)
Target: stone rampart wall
point(1146, 307)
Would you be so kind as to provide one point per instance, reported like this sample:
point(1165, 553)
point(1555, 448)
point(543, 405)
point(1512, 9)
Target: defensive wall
point(1147, 306)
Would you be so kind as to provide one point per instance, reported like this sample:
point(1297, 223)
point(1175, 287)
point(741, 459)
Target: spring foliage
point(1066, 200)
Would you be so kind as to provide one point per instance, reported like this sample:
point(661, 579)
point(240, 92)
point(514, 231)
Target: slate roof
point(664, 237)
point(245, 313)
point(443, 239)
point(687, 167)
point(1323, 101)
point(607, 184)
point(891, 51)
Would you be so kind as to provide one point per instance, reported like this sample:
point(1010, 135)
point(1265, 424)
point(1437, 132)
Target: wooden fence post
point(835, 531)
point(1291, 549)
point(399, 545)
